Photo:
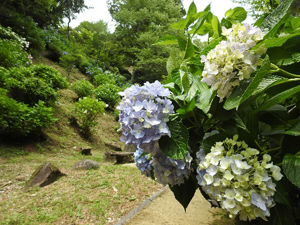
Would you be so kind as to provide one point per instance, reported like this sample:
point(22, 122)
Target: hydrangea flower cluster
point(165, 169)
point(143, 162)
point(233, 175)
point(232, 61)
point(7, 33)
point(144, 111)
point(171, 171)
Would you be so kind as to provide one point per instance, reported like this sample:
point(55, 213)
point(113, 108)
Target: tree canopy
point(139, 25)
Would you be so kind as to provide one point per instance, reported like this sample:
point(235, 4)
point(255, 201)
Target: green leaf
point(294, 130)
point(281, 195)
point(291, 168)
point(190, 50)
point(235, 97)
point(185, 192)
point(204, 100)
point(176, 77)
point(240, 123)
point(211, 46)
point(191, 11)
point(167, 40)
point(238, 14)
point(196, 87)
point(277, 99)
point(280, 215)
point(216, 27)
point(275, 41)
point(172, 62)
point(200, 22)
point(273, 19)
point(189, 107)
point(184, 80)
point(175, 147)
point(180, 25)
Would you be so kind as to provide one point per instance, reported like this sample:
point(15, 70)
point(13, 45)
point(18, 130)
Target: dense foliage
point(85, 113)
point(234, 132)
point(139, 25)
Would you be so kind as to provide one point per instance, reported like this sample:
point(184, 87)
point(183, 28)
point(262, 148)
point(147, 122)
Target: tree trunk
point(69, 21)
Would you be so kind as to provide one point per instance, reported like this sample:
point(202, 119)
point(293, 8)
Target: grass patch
point(100, 196)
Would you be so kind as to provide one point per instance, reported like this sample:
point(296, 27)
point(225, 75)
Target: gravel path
point(164, 209)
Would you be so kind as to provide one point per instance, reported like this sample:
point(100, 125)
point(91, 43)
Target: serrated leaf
point(190, 50)
point(200, 22)
point(275, 41)
point(273, 19)
point(252, 87)
point(176, 77)
point(291, 168)
point(204, 100)
point(277, 99)
point(240, 123)
point(175, 147)
point(167, 40)
point(185, 192)
point(196, 87)
point(172, 62)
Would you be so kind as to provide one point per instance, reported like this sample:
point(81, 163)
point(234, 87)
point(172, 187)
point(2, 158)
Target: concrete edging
point(141, 206)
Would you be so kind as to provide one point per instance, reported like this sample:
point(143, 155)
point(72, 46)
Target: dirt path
point(165, 210)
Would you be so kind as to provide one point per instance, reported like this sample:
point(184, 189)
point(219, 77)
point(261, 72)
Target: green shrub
point(3, 75)
point(27, 28)
point(12, 54)
point(50, 76)
point(81, 62)
point(19, 119)
point(102, 78)
point(83, 88)
point(108, 93)
point(67, 61)
point(85, 113)
point(31, 90)
point(33, 84)
point(55, 42)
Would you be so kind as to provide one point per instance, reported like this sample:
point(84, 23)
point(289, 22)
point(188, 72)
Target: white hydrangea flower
point(233, 175)
point(232, 61)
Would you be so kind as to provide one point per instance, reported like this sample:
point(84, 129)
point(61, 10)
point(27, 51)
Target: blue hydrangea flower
point(144, 111)
point(171, 171)
point(143, 163)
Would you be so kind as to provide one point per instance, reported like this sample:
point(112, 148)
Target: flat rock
point(86, 164)
point(130, 148)
point(43, 175)
point(113, 146)
point(119, 157)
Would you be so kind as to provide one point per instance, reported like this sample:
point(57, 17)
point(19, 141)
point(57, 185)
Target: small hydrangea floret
point(233, 175)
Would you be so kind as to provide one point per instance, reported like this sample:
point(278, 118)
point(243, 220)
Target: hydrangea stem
point(276, 69)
